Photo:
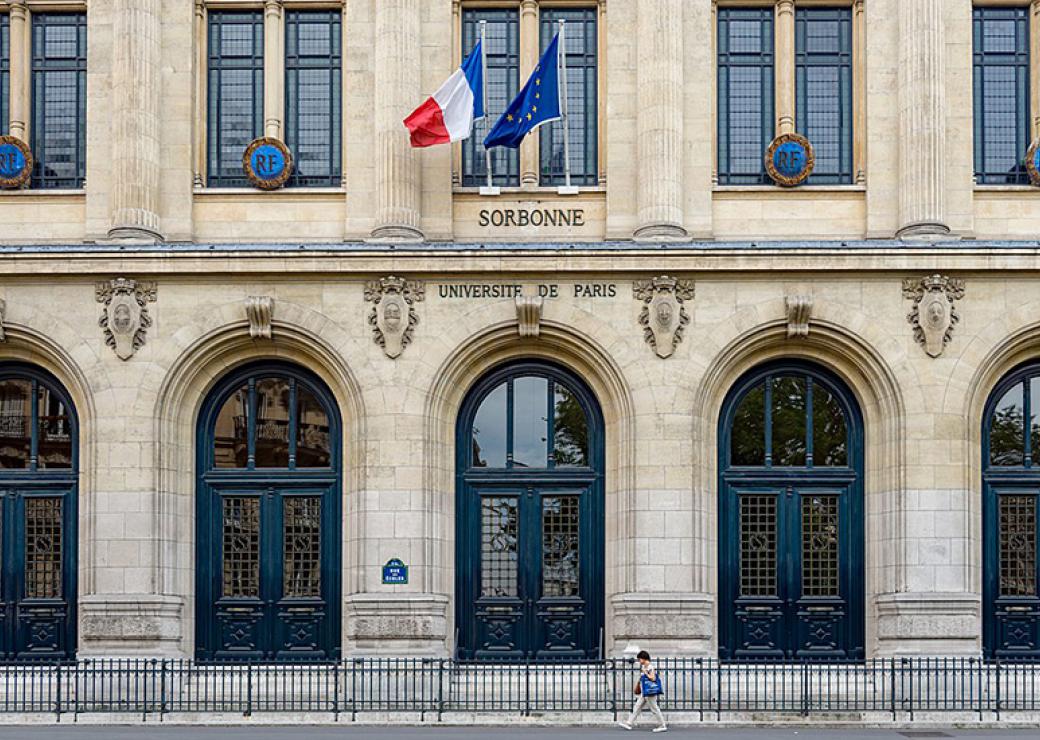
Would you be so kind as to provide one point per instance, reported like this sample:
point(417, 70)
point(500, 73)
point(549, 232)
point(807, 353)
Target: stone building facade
point(906, 297)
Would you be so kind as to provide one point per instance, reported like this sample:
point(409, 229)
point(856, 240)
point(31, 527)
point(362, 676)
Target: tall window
point(313, 94)
point(580, 46)
point(823, 89)
point(5, 72)
point(503, 83)
point(236, 92)
point(745, 93)
point(1001, 62)
point(59, 99)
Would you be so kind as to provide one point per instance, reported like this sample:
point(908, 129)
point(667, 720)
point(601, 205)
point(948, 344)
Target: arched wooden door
point(529, 517)
point(268, 518)
point(1010, 525)
point(39, 455)
point(791, 576)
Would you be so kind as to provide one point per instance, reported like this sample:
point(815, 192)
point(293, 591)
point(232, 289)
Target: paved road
point(349, 732)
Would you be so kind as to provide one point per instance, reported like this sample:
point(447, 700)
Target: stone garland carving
point(3, 318)
point(529, 315)
point(933, 315)
point(125, 317)
point(799, 310)
point(260, 312)
point(664, 316)
point(393, 316)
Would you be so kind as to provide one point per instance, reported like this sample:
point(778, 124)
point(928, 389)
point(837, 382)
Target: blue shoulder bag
point(651, 688)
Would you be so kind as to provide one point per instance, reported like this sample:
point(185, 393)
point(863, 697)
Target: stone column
point(529, 53)
point(922, 120)
point(396, 65)
point(274, 69)
point(136, 86)
point(660, 79)
point(19, 74)
point(199, 124)
point(859, 92)
point(784, 65)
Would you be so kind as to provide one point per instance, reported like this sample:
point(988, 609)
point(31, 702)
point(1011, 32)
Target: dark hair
point(643, 655)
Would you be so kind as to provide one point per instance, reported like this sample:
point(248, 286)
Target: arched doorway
point(1010, 529)
point(268, 517)
point(529, 516)
point(791, 575)
point(39, 454)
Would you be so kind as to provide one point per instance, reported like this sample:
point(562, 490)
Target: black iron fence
point(900, 689)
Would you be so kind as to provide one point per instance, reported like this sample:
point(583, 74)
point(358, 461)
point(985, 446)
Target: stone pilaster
point(784, 66)
point(529, 53)
point(396, 66)
point(922, 120)
point(19, 75)
point(135, 120)
point(859, 91)
point(660, 119)
point(1034, 62)
point(199, 122)
point(274, 69)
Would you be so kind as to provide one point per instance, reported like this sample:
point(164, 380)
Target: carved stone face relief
point(393, 317)
point(933, 315)
point(125, 318)
point(663, 317)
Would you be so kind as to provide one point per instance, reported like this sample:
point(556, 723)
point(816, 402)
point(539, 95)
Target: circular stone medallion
point(16, 162)
point(1033, 163)
point(267, 162)
point(790, 160)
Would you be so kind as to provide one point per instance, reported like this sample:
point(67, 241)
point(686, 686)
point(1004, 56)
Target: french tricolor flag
point(449, 114)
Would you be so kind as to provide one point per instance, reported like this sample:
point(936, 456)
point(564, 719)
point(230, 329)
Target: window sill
point(44, 192)
point(283, 192)
point(1007, 189)
point(539, 191)
point(798, 189)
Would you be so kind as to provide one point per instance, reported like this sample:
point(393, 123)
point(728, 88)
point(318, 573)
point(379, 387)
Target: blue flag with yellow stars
point(537, 103)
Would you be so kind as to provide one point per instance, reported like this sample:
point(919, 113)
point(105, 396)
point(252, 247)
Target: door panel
point(1013, 602)
point(560, 613)
point(761, 620)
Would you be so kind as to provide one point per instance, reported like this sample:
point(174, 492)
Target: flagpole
point(562, 90)
point(490, 188)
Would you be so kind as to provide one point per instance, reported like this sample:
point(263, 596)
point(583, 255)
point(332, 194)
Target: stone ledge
point(666, 622)
point(130, 624)
point(405, 623)
point(928, 624)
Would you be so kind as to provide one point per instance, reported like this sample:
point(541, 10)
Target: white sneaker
point(662, 728)
point(625, 725)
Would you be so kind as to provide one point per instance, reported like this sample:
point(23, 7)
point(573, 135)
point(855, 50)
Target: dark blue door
point(1010, 525)
point(269, 518)
point(38, 475)
point(529, 528)
point(790, 517)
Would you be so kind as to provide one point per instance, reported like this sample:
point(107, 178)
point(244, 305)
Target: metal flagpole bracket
point(566, 188)
point(490, 188)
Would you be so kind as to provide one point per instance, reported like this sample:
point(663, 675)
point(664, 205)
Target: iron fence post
point(144, 688)
point(440, 690)
point(996, 705)
point(718, 690)
point(335, 691)
point(162, 690)
point(910, 696)
point(892, 682)
point(805, 687)
point(613, 687)
point(57, 694)
point(527, 688)
point(249, 689)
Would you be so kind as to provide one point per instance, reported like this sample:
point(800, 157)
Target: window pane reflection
point(789, 421)
point(830, 433)
point(272, 423)
point(489, 431)
point(230, 446)
point(570, 430)
point(1007, 429)
point(312, 433)
point(748, 437)
point(15, 430)
point(530, 425)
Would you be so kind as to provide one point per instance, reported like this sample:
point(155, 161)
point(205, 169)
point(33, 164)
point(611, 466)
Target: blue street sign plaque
point(790, 160)
point(395, 572)
point(16, 162)
point(267, 162)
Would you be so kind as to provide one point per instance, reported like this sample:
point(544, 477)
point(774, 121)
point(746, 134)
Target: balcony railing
point(895, 689)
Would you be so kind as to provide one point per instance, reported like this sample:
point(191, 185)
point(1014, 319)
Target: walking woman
point(649, 687)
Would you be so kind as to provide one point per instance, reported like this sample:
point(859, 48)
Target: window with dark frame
point(313, 96)
point(59, 100)
point(1000, 37)
point(581, 48)
point(823, 90)
point(235, 90)
point(5, 73)
point(503, 83)
point(745, 94)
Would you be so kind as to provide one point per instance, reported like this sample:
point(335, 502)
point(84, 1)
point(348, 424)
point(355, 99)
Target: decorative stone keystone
point(260, 311)
point(393, 317)
point(933, 316)
point(664, 316)
point(529, 315)
point(125, 317)
point(3, 317)
point(799, 309)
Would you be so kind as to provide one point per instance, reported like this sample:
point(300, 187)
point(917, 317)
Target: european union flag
point(537, 103)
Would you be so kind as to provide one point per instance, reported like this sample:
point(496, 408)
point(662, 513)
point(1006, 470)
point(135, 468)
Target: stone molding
point(389, 623)
point(131, 624)
point(932, 623)
point(3, 317)
point(672, 623)
point(934, 315)
point(125, 318)
point(260, 314)
point(799, 310)
point(663, 316)
point(393, 317)
point(528, 315)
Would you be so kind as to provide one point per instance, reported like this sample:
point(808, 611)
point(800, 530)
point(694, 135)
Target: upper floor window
point(5, 72)
point(745, 94)
point(59, 99)
point(823, 90)
point(235, 86)
point(1001, 94)
point(506, 35)
point(313, 95)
